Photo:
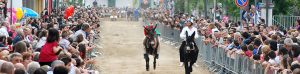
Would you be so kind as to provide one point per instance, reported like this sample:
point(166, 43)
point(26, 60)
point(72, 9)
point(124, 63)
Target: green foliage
point(230, 7)
point(279, 5)
point(186, 6)
point(291, 7)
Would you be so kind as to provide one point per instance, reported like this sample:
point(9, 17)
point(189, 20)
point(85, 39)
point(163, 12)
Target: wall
point(119, 3)
point(100, 2)
point(124, 3)
point(15, 3)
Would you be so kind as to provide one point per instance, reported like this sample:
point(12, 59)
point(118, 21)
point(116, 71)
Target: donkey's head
point(190, 41)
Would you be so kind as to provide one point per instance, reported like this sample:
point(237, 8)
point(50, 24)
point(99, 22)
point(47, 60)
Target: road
point(123, 52)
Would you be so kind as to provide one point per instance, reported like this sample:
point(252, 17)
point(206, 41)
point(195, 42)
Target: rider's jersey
point(189, 31)
point(151, 27)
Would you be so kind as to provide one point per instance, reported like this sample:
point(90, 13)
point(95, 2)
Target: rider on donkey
point(150, 26)
point(151, 44)
point(190, 29)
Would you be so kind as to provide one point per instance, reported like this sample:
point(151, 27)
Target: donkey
point(151, 44)
point(190, 53)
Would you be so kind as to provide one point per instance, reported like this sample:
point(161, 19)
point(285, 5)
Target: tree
point(279, 5)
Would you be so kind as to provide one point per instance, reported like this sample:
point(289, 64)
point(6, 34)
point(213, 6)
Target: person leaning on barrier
point(190, 29)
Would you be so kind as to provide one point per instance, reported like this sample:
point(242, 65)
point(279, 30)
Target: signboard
point(241, 3)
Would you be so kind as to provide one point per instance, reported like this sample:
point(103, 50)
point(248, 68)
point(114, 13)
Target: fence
point(214, 58)
point(285, 21)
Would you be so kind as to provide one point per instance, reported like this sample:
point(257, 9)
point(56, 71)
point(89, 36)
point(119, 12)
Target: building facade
point(110, 3)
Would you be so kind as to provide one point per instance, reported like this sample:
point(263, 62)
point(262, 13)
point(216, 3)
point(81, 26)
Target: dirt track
point(123, 52)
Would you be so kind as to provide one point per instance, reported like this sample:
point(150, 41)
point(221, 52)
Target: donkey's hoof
point(191, 69)
point(147, 69)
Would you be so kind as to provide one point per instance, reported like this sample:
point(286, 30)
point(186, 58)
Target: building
point(36, 5)
point(110, 3)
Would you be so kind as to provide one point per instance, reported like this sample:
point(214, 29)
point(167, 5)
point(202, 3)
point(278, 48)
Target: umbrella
point(29, 12)
point(69, 12)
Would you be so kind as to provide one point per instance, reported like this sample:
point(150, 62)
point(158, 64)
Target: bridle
point(189, 43)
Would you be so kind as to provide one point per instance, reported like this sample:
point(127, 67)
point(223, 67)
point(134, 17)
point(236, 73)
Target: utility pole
point(267, 13)
point(205, 8)
point(214, 11)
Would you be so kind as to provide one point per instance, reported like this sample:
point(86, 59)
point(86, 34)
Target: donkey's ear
point(155, 26)
point(193, 35)
point(186, 34)
point(145, 28)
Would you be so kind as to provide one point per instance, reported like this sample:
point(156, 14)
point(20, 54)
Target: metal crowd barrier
point(285, 21)
point(214, 58)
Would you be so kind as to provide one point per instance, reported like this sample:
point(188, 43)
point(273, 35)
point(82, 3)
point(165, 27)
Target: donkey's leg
point(154, 62)
point(191, 66)
point(147, 61)
point(193, 56)
point(186, 67)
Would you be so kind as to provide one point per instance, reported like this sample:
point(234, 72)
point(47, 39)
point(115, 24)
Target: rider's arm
point(182, 34)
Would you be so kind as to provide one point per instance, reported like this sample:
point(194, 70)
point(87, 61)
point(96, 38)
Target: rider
point(150, 26)
point(190, 29)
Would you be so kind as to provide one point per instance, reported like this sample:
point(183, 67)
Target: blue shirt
point(254, 51)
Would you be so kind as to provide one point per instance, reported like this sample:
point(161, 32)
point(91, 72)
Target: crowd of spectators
point(50, 44)
point(276, 48)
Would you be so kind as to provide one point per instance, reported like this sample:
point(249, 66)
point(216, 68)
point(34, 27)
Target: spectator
point(20, 47)
point(19, 37)
point(257, 46)
point(60, 70)
point(64, 42)
point(69, 65)
point(54, 64)
point(16, 58)
point(20, 71)
point(43, 38)
point(83, 31)
point(297, 24)
point(4, 29)
point(40, 71)
point(29, 45)
point(32, 67)
point(28, 35)
point(20, 66)
point(82, 49)
point(51, 49)
point(246, 52)
point(7, 68)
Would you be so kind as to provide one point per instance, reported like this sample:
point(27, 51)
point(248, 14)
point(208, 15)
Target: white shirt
point(64, 43)
point(189, 31)
point(74, 37)
point(3, 31)
point(50, 72)
point(41, 42)
point(72, 69)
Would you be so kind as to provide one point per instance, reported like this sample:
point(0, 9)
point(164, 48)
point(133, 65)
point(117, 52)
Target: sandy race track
point(123, 52)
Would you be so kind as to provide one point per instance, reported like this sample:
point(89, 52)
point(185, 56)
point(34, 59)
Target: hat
point(190, 20)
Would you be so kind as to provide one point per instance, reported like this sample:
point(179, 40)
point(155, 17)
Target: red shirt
point(147, 27)
point(47, 54)
point(248, 53)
